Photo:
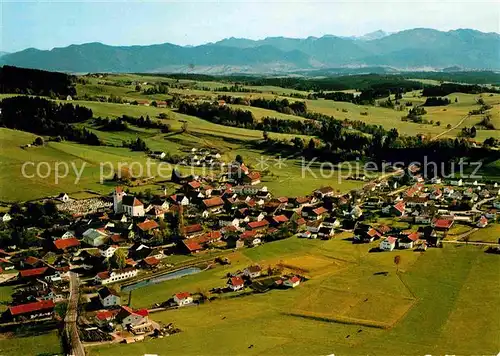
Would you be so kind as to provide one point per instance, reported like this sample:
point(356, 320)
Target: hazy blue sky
point(43, 24)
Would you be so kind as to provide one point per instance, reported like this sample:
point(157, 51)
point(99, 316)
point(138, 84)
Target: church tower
point(118, 195)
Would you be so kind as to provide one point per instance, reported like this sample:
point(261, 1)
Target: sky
point(47, 24)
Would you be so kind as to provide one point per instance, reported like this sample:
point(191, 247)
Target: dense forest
point(436, 101)
point(36, 82)
point(45, 117)
point(449, 88)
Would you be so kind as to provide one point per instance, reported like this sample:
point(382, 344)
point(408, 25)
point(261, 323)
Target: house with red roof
point(252, 178)
point(399, 209)
point(102, 317)
point(193, 230)
point(35, 310)
point(483, 222)
point(409, 241)
point(114, 276)
point(194, 185)
point(129, 317)
point(192, 246)
point(388, 244)
point(235, 283)
point(442, 223)
point(150, 262)
point(213, 205)
point(66, 245)
point(183, 298)
point(292, 282)
point(258, 225)
point(251, 238)
point(279, 219)
point(147, 228)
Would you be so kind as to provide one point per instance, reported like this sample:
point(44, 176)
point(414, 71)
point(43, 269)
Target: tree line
point(448, 88)
point(44, 117)
point(35, 82)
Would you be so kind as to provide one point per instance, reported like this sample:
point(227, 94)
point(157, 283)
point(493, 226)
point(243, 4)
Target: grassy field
point(490, 233)
point(282, 181)
point(41, 344)
point(341, 308)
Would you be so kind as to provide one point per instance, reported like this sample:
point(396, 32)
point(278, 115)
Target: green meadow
point(344, 308)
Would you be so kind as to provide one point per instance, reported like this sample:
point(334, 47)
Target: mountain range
point(415, 49)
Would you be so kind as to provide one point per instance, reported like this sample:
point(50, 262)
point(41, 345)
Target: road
point(70, 326)
point(470, 243)
point(453, 128)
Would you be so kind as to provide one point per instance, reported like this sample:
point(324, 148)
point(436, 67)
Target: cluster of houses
point(118, 241)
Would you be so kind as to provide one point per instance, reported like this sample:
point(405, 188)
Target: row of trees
point(448, 88)
point(35, 82)
point(44, 117)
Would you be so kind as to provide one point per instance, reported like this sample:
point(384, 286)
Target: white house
point(292, 282)
point(458, 183)
point(129, 317)
point(356, 212)
point(63, 197)
point(436, 180)
point(108, 252)
point(182, 299)
point(6, 217)
point(496, 204)
point(483, 222)
point(252, 271)
point(109, 297)
point(388, 244)
point(107, 277)
point(235, 283)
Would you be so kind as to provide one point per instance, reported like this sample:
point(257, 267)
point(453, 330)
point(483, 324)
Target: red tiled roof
point(280, 219)
point(142, 312)
point(63, 244)
point(33, 272)
point(258, 224)
point(192, 228)
point(192, 245)
point(147, 225)
point(118, 189)
point(400, 207)
point(103, 275)
point(320, 210)
point(282, 199)
point(302, 200)
point(117, 238)
point(194, 184)
point(294, 279)
point(301, 221)
point(31, 307)
point(106, 314)
point(414, 236)
point(392, 240)
point(183, 295)
point(237, 281)
point(443, 223)
point(373, 232)
point(212, 202)
point(30, 260)
point(253, 176)
point(152, 261)
point(248, 234)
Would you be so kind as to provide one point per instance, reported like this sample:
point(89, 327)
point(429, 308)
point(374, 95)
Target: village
point(118, 243)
